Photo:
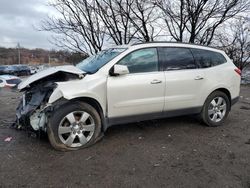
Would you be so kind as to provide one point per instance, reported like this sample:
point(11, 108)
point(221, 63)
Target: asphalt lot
point(173, 152)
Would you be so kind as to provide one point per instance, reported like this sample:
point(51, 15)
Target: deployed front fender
point(57, 94)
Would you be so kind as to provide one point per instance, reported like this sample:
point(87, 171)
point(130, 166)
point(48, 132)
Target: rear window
point(176, 58)
point(206, 58)
point(13, 81)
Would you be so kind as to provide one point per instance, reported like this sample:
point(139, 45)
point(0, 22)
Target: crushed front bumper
point(31, 111)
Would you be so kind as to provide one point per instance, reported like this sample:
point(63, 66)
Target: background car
point(9, 81)
point(3, 69)
point(33, 69)
point(22, 70)
point(18, 70)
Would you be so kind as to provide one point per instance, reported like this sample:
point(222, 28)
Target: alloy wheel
point(217, 109)
point(76, 129)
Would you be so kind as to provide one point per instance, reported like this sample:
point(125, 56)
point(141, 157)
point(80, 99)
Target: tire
point(73, 126)
point(216, 109)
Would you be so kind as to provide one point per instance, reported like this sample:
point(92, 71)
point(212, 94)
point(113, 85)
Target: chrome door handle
point(198, 78)
point(156, 82)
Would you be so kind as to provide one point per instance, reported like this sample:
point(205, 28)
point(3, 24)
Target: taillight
point(238, 71)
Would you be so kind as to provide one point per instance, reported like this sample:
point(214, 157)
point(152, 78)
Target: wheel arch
point(58, 97)
point(224, 90)
point(94, 103)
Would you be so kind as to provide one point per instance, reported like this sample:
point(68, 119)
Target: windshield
point(95, 62)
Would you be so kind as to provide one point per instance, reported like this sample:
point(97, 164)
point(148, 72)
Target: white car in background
point(9, 81)
point(33, 69)
point(75, 105)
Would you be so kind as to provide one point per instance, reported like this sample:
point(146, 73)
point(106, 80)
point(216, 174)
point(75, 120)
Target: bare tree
point(78, 25)
point(128, 20)
point(175, 17)
point(85, 25)
point(118, 26)
point(237, 43)
point(198, 20)
point(144, 15)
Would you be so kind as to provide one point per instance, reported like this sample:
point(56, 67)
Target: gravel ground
point(173, 152)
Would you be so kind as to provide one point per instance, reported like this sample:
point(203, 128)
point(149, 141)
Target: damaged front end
point(33, 110)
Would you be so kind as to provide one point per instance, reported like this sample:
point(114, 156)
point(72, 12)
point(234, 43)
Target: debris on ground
point(247, 142)
point(156, 165)
point(231, 155)
point(15, 97)
point(8, 139)
point(244, 108)
point(10, 156)
point(90, 157)
point(4, 123)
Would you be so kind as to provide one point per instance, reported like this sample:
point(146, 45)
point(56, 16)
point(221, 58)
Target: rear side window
point(206, 58)
point(143, 60)
point(176, 58)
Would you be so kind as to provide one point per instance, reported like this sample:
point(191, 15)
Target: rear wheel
point(73, 126)
point(215, 109)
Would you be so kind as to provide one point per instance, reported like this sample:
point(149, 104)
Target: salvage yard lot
point(173, 152)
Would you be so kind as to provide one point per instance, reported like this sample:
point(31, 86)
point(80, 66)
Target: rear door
point(219, 72)
point(184, 80)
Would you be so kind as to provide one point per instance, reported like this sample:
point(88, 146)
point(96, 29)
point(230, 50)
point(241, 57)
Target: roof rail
point(172, 42)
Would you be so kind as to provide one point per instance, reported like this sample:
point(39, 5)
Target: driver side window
point(143, 60)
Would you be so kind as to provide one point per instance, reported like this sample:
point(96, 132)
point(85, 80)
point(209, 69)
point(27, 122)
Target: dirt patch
point(173, 152)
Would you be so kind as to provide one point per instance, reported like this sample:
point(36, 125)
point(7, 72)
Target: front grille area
point(28, 97)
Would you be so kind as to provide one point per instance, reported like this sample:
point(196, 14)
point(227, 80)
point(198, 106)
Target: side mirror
point(119, 70)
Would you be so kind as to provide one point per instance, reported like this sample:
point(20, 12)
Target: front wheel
point(215, 109)
point(74, 125)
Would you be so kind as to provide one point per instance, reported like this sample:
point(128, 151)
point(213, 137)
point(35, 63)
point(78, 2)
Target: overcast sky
point(18, 19)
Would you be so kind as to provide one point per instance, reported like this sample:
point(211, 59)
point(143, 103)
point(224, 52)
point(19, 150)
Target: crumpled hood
point(47, 72)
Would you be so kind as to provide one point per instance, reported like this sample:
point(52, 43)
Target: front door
point(139, 92)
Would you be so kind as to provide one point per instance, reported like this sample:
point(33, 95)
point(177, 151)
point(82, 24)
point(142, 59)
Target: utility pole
point(49, 59)
point(19, 54)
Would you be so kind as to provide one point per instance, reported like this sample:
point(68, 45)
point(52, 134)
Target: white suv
point(75, 105)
